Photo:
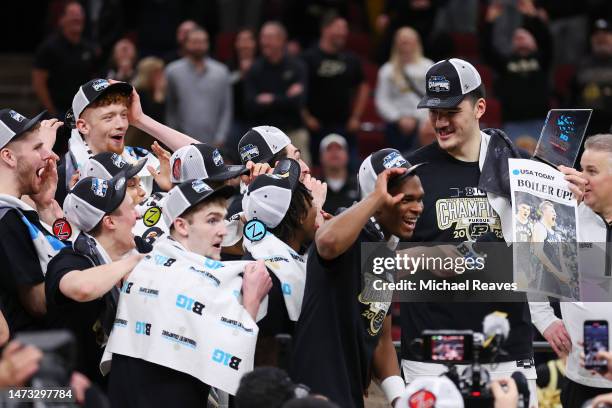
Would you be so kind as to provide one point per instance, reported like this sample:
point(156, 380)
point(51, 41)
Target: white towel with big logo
point(183, 311)
point(288, 266)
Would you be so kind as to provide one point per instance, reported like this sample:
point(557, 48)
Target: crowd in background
point(213, 69)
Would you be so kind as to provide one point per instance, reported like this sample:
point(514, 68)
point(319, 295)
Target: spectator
point(63, 62)
point(592, 87)
point(342, 189)
point(26, 167)
point(199, 98)
point(400, 86)
point(335, 79)
point(569, 25)
point(150, 83)
point(122, 66)
point(245, 52)
point(81, 281)
point(419, 14)
point(181, 35)
point(523, 76)
point(274, 88)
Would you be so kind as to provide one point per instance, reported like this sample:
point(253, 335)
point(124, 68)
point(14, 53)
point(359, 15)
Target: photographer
point(343, 339)
point(595, 218)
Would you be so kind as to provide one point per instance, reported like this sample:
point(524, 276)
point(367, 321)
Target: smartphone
point(448, 345)
point(595, 340)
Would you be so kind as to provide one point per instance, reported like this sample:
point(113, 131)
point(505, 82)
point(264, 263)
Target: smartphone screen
point(448, 348)
point(595, 340)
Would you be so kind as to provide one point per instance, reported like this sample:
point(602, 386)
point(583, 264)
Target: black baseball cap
point(202, 161)
point(447, 82)
point(13, 124)
point(189, 193)
point(107, 165)
point(380, 161)
point(92, 198)
point(261, 143)
point(92, 90)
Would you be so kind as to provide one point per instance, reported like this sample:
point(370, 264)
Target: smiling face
point(400, 219)
point(104, 123)
point(597, 169)
point(455, 127)
point(202, 230)
point(28, 156)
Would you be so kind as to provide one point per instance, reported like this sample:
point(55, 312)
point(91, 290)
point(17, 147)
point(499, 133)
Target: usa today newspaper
point(545, 213)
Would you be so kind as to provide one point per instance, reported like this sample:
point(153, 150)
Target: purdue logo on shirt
point(468, 211)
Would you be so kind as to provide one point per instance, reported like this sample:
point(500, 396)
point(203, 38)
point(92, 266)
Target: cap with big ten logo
point(92, 198)
point(261, 143)
point(94, 89)
point(13, 124)
point(447, 83)
point(201, 161)
point(378, 162)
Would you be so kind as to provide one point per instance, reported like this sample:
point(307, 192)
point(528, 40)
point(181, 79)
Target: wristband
point(393, 387)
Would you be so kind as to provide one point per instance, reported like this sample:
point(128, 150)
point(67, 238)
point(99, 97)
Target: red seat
point(563, 76)
point(224, 46)
point(359, 43)
point(371, 137)
point(486, 74)
point(466, 46)
point(493, 116)
point(370, 70)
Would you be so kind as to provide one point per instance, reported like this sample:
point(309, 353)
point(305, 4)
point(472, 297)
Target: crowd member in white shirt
point(400, 87)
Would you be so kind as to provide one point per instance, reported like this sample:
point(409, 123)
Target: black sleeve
point(19, 252)
point(66, 261)
point(44, 57)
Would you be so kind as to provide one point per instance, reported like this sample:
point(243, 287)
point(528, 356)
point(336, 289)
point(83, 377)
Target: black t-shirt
point(69, 66)
point(332, 81)
point(276, 322)
point(455, 210)
point(20, 269)
point(82, 318)
point(136, 383)
point(337, 333)
point(345, 197)
point(264, 77)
